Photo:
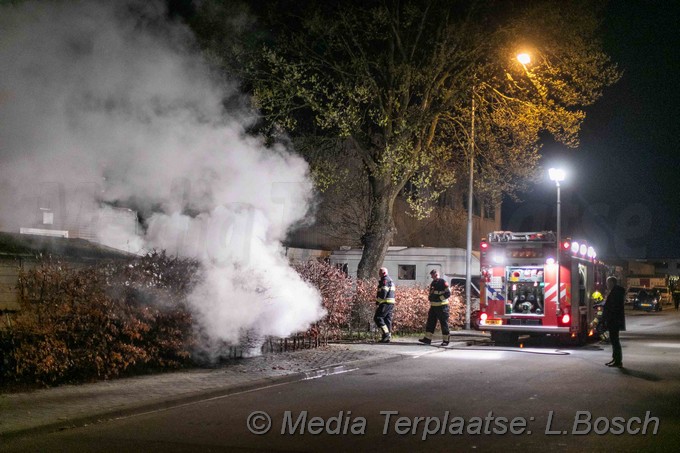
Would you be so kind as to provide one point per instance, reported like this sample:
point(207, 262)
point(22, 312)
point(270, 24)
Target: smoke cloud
point(106, 105)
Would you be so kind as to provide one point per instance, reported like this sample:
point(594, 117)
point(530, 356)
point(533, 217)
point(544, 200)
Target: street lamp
point(557, 175)
point(524, 59)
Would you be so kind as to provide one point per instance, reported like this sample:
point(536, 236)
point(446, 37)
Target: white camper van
point(409, 266)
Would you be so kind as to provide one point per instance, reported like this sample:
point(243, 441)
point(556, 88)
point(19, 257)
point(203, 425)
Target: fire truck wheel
point(474, 320)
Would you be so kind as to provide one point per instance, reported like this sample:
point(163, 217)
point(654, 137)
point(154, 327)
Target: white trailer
point(409, 266)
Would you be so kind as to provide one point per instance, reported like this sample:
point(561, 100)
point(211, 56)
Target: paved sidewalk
point(77, 405)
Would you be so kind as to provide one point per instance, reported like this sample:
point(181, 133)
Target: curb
point(142, 407)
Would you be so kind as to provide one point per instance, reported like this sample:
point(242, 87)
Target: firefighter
point(385, 302)
point(439, 309)
point(597, 326)
point(597, 297)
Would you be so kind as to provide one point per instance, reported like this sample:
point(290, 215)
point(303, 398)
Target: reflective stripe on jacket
point(386, 291)
point(439, 292)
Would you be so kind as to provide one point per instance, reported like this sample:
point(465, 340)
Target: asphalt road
point(536, 398)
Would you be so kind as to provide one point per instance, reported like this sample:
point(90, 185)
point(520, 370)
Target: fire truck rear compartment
point(525, 290)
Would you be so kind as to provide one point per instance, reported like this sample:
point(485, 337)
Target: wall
point(640, 268)
point(9, 273)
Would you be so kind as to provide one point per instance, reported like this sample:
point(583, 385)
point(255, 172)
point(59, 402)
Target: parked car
point(474, 287)
point(647, 300)
point(664, 295)
point(632, 293)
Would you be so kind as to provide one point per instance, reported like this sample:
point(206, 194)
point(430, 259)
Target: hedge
point(351, 304)
point(116, 318)
point(80, 324)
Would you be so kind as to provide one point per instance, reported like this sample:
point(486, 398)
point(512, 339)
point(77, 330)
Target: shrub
point(410, 311)
point(336, 296)
point(100, 321)
point(79, 324)
point(351, 304)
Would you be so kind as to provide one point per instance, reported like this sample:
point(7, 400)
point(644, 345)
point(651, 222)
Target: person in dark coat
point(385, 301)
point(439, 309)
point(614, 319)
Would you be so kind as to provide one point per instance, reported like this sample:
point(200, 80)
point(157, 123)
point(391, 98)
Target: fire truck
point(518, 288)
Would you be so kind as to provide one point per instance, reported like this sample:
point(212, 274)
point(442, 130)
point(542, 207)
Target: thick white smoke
point(99, 107)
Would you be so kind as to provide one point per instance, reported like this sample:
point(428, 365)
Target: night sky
point(622, 192)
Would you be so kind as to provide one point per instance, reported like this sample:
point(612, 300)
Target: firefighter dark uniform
point(385, 301)
point(439, 309)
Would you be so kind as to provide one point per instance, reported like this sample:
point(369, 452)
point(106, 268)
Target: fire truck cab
point(518, 288)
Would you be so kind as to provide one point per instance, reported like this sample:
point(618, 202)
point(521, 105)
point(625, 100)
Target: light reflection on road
point(664, 345)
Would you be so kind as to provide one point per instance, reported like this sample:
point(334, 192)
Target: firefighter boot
point(386, 336)
point(445, 341)
point(427, 339)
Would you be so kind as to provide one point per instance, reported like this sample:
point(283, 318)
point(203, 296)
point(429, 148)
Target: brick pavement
point(75, 405)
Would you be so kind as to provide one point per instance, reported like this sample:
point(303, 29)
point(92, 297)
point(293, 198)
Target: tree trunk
point(380, 228)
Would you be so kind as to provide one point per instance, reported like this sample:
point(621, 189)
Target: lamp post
point(468, 250)
point(524, 59)
point(557, 175)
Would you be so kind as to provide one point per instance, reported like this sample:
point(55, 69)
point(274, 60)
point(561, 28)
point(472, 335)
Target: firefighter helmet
point(597, 296)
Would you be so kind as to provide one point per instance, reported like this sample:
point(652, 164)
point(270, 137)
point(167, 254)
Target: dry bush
point(351, 304)
point(457, 304)
point(410, 311)
point(78, 324)
point(336, 295)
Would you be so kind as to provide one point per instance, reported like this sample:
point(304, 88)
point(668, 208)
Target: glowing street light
point(558, 175)
point(524, 58)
